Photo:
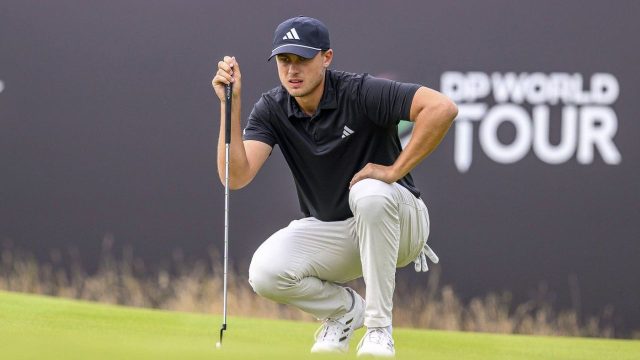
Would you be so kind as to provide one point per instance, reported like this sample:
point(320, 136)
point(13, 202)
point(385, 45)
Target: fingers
point(360, 175)
point(357, 177)
point(228, 71)
point(226, 64)
point(420, 263)
point(425, 266)
point(231, 66)
point(431, 254)
point(225, 72)
point(234, 64)
point(374, 171)
point(222, 78)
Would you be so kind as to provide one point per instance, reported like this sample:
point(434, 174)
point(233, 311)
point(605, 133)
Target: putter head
point(222, 329)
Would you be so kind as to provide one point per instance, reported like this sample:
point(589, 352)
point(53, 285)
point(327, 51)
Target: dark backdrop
point(108, 125)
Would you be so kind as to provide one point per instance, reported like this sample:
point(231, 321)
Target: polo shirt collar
point(328, 100)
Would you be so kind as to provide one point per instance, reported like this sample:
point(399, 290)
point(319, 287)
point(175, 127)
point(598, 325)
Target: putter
point(227, 142)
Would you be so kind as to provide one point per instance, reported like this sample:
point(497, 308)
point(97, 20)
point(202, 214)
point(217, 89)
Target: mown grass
point(38, 327)
point(196, 287)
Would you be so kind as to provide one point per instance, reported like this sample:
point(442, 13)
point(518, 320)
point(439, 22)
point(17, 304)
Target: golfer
point(363, 215)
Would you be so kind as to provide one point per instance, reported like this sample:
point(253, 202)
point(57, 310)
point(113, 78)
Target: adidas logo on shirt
point(346, 132)
point(292, 34)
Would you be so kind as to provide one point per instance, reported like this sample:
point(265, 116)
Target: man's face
point(302, 76)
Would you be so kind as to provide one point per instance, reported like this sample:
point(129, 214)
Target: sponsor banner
point(526, 101)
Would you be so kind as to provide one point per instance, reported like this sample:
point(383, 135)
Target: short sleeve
point(258, 126)
point(386, 102)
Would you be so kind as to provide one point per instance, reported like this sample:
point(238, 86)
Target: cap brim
point(300, 50)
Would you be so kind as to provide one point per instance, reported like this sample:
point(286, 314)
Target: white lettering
point(568, 87)
point(567, 146)
point(598, 126)
point(604, 88)
point(463, 146)
point(579, 95)
point(536, 88)
point(507, 87)
point(452, 85)
point(506, 153)
point(465, 87)
point(477, 86)
point(587, 121)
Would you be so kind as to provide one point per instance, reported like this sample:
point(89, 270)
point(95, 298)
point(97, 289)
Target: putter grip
point(227, 114)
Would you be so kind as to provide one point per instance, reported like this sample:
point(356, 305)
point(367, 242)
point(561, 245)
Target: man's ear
point(327, 57)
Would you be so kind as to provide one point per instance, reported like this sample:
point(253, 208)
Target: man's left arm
point(432, 114)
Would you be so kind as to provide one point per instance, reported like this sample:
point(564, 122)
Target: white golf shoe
point(334, 334)
point(376, 342)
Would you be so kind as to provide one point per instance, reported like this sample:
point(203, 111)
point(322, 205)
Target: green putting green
point(38, 327)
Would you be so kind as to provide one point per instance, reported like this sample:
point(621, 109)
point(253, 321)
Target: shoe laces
point(331, 330)
point(377, 336)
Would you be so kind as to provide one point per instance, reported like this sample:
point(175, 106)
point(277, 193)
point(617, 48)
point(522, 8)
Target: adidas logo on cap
point(292, 34)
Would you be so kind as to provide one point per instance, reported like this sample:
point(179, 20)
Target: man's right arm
point(245, 157)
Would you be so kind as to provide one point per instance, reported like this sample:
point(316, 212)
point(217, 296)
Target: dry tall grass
point(197, 287)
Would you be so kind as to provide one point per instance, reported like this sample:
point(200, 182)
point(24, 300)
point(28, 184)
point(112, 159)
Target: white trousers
point(303, 264)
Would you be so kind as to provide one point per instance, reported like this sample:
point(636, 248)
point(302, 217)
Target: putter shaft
point(228, 91)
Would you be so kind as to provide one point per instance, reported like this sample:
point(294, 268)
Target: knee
point(262, 278)
point(371, 199)
point(267, 280)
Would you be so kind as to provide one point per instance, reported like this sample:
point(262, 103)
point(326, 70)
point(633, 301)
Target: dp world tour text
point(525, 100)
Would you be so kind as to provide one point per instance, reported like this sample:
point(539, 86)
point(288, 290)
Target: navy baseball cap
point(301, 35)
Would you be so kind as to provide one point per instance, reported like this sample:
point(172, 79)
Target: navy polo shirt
point(355, 124)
